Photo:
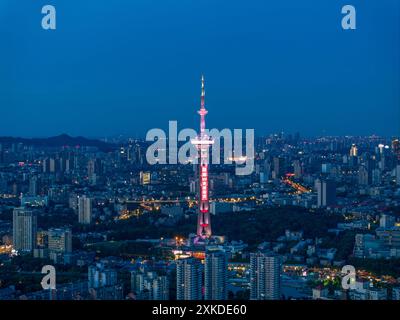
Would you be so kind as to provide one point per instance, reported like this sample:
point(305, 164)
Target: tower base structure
point(198, 241)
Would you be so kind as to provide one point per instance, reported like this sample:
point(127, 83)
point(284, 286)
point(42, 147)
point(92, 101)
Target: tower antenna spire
point(203, 94)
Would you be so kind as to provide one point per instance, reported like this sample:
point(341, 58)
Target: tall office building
point(189, 279)
point(215, 274)
point(364, 176)
point(396, 148)
point(376, 176)
point(265, 271)
point(387, 221)
point(145, 177)
point(73, 202)
point(92, 172)
point(353, 150)
point(326, 190)
point(46, 165)
point(279, 168)
point(84, 210)
point(266, 171)
point(60, 240)
point(24, 229)
point(297, 169)
point(53, 165)
point(353, 156)
point(91, 167)
point(50, 165)
point(33, 186)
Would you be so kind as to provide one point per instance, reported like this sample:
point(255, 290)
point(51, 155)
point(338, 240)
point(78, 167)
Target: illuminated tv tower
point(202, 143)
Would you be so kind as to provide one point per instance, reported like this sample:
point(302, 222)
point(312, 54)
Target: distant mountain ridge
point(60, 141)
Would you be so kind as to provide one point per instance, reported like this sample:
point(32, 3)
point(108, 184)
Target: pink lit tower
point(202, 143)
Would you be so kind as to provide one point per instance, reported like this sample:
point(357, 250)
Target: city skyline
point(124, 137)
point(124, 229)
point(200, 153)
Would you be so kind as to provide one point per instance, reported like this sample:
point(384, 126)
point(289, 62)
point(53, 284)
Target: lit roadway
point(148, 203)
point(151, 201)
point(297, 186)
point(5, 249)
point(331, 273)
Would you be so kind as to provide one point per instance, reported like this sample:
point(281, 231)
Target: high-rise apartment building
point(364, 176)
point(100, 275)
point(24, 229)
point(84, 210)
point(215, 275)
point(279, 167)
point(189, 279)
point(33, 186)
point(265, 271)
point(326, 190)
point(149, 286)
point(103, 282)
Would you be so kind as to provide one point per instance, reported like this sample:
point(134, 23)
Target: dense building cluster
point(83, 209)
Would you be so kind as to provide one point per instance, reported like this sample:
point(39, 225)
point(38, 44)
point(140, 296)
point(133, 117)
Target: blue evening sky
point(126, 66)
